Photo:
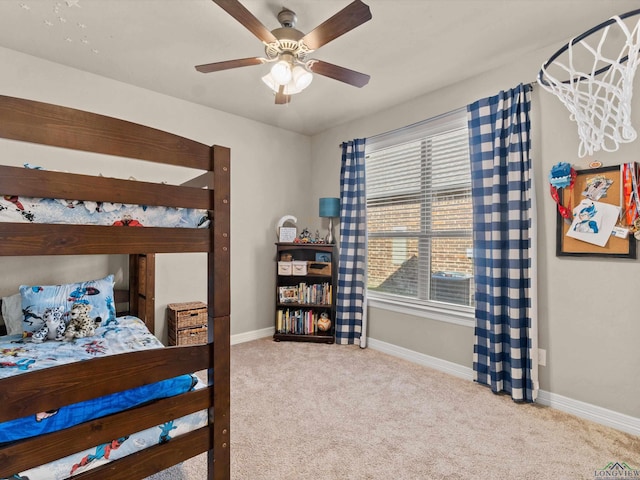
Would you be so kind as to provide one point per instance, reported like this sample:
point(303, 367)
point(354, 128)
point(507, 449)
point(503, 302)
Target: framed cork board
point(615, 247)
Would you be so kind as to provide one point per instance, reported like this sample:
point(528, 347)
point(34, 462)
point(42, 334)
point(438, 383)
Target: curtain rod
point(421, 122)
point(412, 125)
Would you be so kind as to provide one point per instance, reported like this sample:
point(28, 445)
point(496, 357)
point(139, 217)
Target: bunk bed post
point(219, 301)
point(142, 287)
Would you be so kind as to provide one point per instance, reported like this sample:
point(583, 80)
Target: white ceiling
point(409, 48)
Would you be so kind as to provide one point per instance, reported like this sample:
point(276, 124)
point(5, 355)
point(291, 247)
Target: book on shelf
point(303, 293)
point(297, 321)
point(279, 321)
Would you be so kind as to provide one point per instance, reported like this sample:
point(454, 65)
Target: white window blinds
point(419, 212)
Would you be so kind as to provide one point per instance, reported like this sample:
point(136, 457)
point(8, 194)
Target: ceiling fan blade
point(226, 65)
point(281, 98)
point(246, 18)
point(341, 74)
point(353, 15)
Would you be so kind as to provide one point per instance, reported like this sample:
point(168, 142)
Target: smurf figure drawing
point(586, 221)
point(593, 222)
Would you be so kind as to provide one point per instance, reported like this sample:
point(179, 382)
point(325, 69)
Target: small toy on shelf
point(306, 237)
point(324, 322)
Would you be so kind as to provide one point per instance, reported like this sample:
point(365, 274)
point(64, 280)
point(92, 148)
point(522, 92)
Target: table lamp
point(330, 208)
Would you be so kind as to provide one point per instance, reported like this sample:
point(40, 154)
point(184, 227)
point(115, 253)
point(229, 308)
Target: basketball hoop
point(599, 86)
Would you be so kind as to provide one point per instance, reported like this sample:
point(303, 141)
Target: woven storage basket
point(192, 336)
point(191, 314)
point(319, 268)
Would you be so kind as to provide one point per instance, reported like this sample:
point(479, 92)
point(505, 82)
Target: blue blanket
point(70, 415)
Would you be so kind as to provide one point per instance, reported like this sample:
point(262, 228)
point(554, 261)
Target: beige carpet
point(313, 412)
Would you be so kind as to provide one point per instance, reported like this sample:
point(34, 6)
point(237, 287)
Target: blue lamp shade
point(330, 207)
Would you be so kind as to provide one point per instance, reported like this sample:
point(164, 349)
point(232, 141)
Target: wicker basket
point(319, 268)
point(189, 314)
point(192, 336)
point(187, 323)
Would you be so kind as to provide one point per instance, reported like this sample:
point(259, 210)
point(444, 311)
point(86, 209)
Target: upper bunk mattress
point(20, 209)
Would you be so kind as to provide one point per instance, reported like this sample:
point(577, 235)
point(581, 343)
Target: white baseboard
point(603, 416)
point(254, 335)
point(421, 359)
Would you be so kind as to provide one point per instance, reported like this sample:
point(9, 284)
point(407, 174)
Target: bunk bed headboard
point(57, 126)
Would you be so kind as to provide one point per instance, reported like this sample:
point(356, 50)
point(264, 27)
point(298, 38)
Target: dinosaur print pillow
point(37, 298)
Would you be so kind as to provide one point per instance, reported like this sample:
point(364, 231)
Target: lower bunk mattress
point(118, 448)
point(19, 355)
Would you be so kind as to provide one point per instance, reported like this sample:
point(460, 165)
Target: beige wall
point(270, 172)
point(587, 306)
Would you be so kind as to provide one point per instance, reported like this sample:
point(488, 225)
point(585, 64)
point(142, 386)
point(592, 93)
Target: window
point(419, 214)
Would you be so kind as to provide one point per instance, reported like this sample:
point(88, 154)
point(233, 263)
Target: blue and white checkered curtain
point(352, 266)
point(505, 350)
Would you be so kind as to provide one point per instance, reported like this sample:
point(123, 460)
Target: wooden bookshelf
point(305, 292)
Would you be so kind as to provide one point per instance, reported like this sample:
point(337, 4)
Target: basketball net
point(599, 101)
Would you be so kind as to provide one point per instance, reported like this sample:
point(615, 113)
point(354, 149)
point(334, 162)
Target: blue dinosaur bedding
point(125, 334)
point(48, 210)
point(117, 448)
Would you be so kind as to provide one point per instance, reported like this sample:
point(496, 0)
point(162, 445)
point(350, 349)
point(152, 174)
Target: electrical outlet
point(542, 357)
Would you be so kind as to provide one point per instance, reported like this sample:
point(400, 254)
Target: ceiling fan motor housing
point(287, 18)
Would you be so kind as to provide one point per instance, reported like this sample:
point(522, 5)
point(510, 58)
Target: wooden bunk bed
point(42, 390)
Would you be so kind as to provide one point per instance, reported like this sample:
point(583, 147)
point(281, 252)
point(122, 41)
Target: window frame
point(434, 310)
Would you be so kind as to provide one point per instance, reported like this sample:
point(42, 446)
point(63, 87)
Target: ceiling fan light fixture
point(281, 72)
point(270, 82)
point(301, 77)
point(289, 89)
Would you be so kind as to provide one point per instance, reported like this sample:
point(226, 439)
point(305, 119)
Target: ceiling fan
point(288, 48)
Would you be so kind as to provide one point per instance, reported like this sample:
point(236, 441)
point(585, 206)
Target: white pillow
point(12, 313)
